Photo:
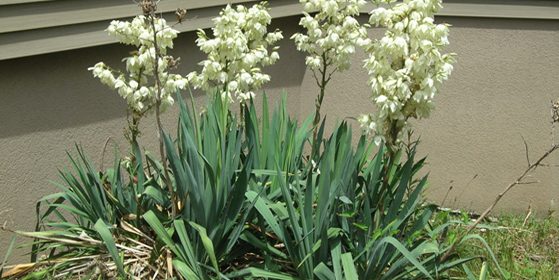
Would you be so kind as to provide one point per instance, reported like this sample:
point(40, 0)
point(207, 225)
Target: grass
point(525, 248)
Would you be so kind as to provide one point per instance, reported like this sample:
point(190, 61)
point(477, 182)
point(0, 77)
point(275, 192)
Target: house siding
point(37, 27)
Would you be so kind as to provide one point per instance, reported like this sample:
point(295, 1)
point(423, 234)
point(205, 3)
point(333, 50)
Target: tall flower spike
point(405, 66)
point(237, 52)
point(332, 33)
point(330, 40)
point(139, 87)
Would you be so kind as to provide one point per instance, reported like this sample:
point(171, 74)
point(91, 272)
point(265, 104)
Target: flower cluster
point(235, 54)
point(148, 80)
point(405, 66)
point(332, 34)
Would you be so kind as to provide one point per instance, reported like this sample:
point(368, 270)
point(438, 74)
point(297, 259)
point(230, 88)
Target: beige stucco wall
point(501, 90)
point(499, 95)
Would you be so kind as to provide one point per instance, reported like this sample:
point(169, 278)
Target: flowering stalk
point(149, 85)
point(331, 37)
point(405, 67)
point(237, 52)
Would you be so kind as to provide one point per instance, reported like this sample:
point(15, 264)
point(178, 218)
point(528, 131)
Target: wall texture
point(499, 95)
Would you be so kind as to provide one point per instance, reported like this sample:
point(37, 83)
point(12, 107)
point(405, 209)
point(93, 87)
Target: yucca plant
point(350, 217)
point(93, 225)
point(212, 170)
point(334, 220)
point(250, 205)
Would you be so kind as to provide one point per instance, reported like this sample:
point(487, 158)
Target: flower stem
point(167, 178)
point(318, 103)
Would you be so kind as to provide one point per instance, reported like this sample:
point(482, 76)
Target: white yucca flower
point(405, 66)
point(237, 52)
point(332, 33)
point(139, 87)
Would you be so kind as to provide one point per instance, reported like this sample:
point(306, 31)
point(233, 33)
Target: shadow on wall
point(56, 91)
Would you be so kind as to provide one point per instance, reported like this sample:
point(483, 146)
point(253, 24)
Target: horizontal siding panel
point(39, 27)
point(48, 40)
point(13, 2)
point(503, 9)
point(75, 32)
point(32, 16)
